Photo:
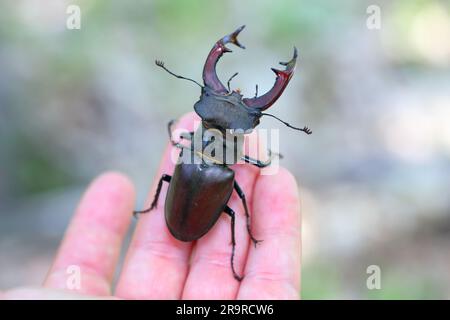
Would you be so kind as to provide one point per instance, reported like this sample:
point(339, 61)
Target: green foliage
point(320, 281)
point(36, 171)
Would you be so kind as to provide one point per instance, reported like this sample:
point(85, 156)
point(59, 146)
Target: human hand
point(157, 266)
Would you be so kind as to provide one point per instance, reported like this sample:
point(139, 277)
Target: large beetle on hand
point(201, 185)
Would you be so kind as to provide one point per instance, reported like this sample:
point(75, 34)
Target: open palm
point(157, 266)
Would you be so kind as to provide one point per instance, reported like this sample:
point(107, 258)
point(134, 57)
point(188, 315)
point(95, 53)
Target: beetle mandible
point(199, 176)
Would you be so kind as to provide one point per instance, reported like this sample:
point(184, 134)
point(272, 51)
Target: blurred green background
point(374, 176)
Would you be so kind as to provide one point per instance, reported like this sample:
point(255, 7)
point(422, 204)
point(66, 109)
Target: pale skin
point(157, 266)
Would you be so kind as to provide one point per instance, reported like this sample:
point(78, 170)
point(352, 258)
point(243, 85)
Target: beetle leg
point(164, 177)
point(187, 135)
point(259, 163)
point(173, 142)
point(241, 195)
point(231, 213)
point(256, 162)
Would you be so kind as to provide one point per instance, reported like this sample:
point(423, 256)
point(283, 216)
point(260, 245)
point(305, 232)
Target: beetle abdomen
point(197, 195)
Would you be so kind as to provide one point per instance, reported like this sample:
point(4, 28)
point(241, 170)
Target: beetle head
point(221, 109)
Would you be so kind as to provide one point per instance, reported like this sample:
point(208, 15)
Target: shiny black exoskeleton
point(202, 183)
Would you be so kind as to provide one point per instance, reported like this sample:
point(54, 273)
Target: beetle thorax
point(217, 147)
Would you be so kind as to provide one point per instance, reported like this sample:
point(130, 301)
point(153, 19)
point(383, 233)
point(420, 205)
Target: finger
point(92, 242)
point(273, 268)
point(210, 276)
point(39, 293)
point(156, 264)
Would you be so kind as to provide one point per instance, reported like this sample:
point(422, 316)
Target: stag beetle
point(202, 184)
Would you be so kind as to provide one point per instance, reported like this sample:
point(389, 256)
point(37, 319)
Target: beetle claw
point(210, 78)
point(238, 278)
point(255, 242)
point(232, 38)
point(291, 63)
point(283, 77)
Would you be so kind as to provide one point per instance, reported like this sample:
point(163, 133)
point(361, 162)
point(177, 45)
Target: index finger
point(156, 263)
point(92, 242)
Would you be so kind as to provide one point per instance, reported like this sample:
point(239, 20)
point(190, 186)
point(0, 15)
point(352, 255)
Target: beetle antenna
point(160, 63)
point(229, 80)
point(304, 129)
point(256, 92)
